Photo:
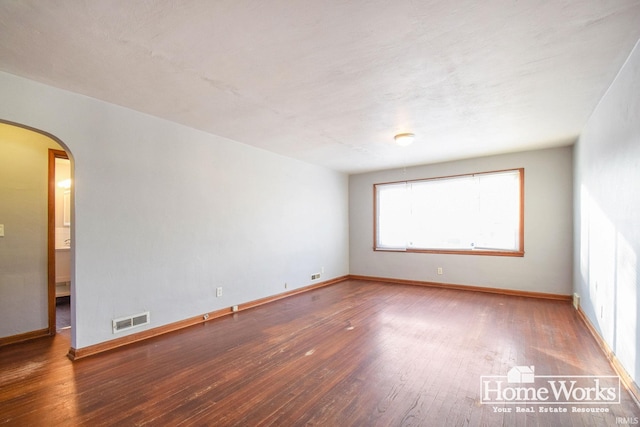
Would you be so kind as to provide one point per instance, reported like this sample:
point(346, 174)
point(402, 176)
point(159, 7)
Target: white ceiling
point(330, 82)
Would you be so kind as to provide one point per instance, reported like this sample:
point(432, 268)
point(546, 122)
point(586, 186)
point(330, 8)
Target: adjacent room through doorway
point(62, 240)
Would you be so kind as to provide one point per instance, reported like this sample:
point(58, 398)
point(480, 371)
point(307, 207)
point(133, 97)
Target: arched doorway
point(27, 246)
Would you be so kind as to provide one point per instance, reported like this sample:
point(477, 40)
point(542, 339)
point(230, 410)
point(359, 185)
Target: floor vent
point(125, 323)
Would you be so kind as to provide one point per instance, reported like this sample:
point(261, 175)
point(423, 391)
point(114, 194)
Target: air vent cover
point(125, 323)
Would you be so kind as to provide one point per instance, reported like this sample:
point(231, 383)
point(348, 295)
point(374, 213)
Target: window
point(480, 214)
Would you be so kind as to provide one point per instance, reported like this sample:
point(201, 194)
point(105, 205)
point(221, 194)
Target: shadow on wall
point(609, 274)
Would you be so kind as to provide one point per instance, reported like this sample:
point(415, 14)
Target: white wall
point(547, 264)
point(607, 222)
point(164, 214)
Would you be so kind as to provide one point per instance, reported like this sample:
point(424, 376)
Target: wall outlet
point(315, 276)
point(219, 291)
point(205, 316)
point(439, 270)
point(576, 301)
point(234, 308)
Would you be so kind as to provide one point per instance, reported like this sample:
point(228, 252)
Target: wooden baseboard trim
point(511, 292)
point(75, 354)
point(626, 379)
point(80, 353)
point(267, 300)
point(24, 337)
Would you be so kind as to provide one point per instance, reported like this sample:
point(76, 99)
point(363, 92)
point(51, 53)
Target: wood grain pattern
point(75, 354)
point(514, 292)
point(24, 337)
point(615, 362)
point(357, 353)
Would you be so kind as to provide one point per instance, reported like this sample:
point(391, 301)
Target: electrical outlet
point(315, 276)
point(439, 270)
point(206, 316)
point(234, 308)
point(219, 291)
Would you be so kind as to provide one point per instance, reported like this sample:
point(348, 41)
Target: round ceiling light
point(404, 139)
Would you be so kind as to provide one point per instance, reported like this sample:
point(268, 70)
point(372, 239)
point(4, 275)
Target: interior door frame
point(51, 236)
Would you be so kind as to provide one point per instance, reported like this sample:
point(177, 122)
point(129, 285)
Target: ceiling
point(330, 82)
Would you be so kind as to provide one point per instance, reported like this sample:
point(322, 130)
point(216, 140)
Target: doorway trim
point(51, 236)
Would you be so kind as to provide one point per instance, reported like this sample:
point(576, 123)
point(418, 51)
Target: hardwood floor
point(352, 354)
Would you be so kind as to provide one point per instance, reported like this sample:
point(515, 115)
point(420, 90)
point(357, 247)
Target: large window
point(481, 214)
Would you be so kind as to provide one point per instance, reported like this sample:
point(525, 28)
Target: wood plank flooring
point(352, 354)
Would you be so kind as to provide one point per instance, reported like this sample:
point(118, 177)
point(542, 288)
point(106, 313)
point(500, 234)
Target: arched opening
point(28, 242)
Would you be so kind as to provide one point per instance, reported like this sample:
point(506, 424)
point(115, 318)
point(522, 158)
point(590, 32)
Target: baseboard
point(80, 353)
point(75, 354)
point(276, 297)
point(24, 337)
point(626, 379)
point(512, 292)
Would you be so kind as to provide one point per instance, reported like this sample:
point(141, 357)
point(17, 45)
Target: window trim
point(490, 252)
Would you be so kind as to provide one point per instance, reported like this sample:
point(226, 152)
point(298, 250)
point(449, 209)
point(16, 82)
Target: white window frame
point(496, 231)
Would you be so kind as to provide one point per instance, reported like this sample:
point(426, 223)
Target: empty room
point(358, 213)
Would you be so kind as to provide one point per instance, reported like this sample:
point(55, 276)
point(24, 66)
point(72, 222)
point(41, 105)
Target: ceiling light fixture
point(404, 139)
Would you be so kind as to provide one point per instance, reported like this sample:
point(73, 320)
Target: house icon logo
point(522, 386)
point(521, 375)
